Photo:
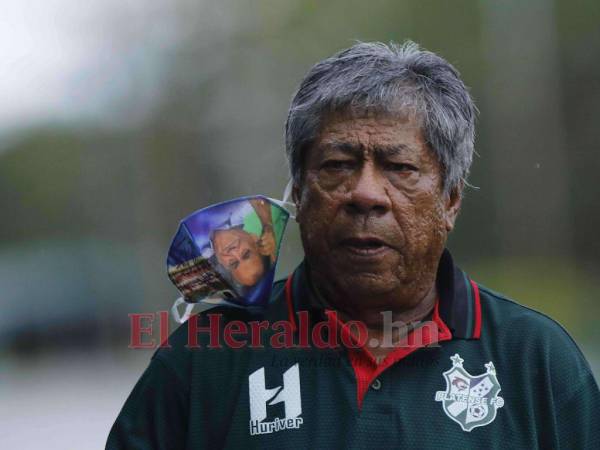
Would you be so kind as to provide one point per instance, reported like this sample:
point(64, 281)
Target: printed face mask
point(227, 253)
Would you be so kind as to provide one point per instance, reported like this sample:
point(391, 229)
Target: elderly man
point(380, 140)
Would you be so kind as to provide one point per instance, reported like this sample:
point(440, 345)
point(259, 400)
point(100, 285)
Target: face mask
point(226, 254)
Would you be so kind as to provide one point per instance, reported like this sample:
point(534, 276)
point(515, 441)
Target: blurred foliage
point(564, 292)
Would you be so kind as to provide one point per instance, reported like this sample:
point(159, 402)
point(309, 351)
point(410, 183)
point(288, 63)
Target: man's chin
point(367, 283)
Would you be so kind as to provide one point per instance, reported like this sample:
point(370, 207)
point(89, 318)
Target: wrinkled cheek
point(316, 198)
point(317, 210)
point(424, 235)
point(327, 192)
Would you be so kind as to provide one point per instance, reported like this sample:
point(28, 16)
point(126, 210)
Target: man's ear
point(296, 195)
point(452, 206)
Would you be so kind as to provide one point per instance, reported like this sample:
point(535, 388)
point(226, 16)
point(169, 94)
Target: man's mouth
point(364, 246)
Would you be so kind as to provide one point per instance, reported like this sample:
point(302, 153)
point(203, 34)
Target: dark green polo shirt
point(489, 374)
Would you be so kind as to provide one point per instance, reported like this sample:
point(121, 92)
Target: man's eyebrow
point(393, 150)
point(358, 150)
point(344, 147)
point(234, 243)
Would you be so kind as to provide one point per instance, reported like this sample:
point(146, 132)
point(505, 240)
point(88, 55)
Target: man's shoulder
point(532, 335)
point(197, 331)
point(504, 311)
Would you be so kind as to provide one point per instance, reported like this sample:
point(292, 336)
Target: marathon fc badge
point(471, 401)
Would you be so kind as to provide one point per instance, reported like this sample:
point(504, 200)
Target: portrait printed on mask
point(228, 250)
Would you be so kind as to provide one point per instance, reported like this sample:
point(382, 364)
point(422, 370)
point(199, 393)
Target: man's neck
point(419, 309)
point(403, 309)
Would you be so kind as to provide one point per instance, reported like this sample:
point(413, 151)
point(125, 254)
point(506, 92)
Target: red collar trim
point(367, 369)
point(290, 302)
point(477, 326)
point(426, 334)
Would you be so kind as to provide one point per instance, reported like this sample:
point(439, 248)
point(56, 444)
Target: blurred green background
point(118, 118)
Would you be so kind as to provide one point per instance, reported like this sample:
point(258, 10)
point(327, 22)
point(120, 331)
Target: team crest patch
point(471, 401)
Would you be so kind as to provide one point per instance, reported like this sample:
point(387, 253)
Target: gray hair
point(387, 79)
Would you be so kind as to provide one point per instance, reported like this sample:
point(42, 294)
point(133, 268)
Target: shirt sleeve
point(575, 397)
point(578, 416)
point(155, 413)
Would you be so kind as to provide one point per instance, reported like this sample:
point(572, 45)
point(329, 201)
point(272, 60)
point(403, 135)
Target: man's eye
point(234, 265)
point(402, 167)
point(246, 254)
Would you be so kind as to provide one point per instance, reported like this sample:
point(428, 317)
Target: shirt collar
point(459, 302)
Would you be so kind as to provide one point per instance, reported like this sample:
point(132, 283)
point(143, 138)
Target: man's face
point(373, 216)
point(237, 251)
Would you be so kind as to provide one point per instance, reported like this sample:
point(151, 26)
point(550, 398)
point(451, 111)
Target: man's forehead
point(225, 236)
point(382, 128)
point(406, 116)
point(362, 135)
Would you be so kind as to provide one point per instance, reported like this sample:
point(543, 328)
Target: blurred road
point(65, 402)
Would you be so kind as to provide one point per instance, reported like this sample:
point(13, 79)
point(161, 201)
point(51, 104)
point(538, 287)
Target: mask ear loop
point(287, 192)
point(202, 305)
point(284, 202)
point(187, 312)
point(189, 307)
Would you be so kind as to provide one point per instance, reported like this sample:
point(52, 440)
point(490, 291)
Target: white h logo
point(260, 397)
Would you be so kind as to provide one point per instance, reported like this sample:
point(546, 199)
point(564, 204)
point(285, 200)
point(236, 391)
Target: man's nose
point(368, 194)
